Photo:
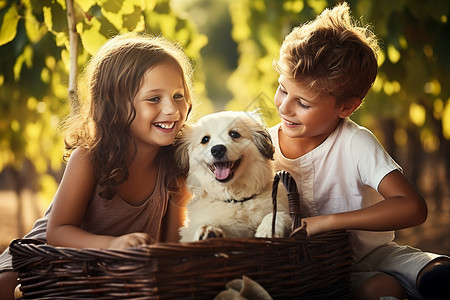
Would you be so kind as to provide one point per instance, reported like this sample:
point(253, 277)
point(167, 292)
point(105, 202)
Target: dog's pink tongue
point(222, 172)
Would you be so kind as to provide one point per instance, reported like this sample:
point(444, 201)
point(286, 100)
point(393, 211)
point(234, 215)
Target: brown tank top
point(116, 217)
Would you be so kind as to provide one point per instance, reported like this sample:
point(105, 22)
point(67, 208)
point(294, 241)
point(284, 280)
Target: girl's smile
point(168, 126)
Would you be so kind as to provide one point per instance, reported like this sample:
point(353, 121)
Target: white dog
point(228, 159)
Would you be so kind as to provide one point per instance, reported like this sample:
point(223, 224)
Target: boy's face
point(303, 115)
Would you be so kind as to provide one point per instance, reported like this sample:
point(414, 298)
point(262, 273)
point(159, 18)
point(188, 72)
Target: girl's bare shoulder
point(79, 166)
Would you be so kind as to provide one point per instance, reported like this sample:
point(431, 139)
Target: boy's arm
point(402, 207)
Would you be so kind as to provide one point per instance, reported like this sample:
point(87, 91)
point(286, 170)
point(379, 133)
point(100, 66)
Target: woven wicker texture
point(315, 267)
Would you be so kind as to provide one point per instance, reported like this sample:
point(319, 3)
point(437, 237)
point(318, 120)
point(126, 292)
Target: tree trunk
point(73, 52)
point(415, 156)
point(388, 128)
point(18, 188)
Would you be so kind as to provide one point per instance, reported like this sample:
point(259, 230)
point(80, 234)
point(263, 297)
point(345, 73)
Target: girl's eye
point(153, 99)
point(205, 139)
point(178, 97)
point(234, 134)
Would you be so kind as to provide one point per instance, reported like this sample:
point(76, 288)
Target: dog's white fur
point(231, 136)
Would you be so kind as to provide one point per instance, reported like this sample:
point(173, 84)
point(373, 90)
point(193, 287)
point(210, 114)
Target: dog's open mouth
point(224, 170)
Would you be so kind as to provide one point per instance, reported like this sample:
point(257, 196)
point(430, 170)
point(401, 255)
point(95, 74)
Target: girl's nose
point(169, 107)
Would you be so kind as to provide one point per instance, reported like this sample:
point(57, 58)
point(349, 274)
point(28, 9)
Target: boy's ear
point(348, 107)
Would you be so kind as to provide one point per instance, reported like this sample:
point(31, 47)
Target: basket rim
point(300, 235)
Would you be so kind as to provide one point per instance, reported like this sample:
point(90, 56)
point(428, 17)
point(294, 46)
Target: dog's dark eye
point(234, 134)
point(205, 139)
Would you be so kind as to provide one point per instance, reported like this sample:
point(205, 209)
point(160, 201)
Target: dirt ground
point(9, 229)
point(433, 235)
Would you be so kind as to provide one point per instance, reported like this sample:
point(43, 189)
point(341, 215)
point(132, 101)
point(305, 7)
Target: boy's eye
point(301, 104)
point(280, 88)
point(205, 139)
point(234, 134)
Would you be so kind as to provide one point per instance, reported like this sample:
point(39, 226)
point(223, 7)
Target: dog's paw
point(282, 226)
point(206, 232)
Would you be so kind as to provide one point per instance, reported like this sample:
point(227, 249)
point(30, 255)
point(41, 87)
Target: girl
point(120, 175)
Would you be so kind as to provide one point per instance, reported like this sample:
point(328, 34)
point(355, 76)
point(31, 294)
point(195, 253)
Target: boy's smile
point(289, 124)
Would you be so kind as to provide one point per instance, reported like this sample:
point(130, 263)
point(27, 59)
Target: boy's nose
point(285, 106)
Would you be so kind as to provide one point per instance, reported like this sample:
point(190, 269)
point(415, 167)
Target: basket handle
point(293, 198)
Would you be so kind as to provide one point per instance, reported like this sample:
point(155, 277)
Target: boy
point(344, 176)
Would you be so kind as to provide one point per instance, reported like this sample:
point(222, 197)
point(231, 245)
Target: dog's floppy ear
point(261, 136)
point(181, 144)
point(264, 143)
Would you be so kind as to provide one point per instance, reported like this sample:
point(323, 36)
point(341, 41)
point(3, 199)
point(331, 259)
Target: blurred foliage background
point(232, 44)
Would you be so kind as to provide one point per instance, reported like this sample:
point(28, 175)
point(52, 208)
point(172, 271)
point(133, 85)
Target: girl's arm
point(175, 216)
point(69, 206)
point(402, 207)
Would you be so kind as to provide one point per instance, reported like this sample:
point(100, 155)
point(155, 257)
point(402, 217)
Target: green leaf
point(85, 5)
point(55, 18)
point(48, 17)
point(59, 17)
point(91, 37)
point(113, 6)
point(318, 5)
point(134, 20)
point(8, 30)
point(35, 30)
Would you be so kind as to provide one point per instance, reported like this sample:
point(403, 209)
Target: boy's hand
point(317, 224)
point(130, 240)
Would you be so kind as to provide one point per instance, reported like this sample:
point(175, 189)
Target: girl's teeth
point(165, 125)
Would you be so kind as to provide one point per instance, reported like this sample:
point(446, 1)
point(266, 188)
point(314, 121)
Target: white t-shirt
point(341, 174)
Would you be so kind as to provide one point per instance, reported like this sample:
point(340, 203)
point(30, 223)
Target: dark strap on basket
point(293, 198)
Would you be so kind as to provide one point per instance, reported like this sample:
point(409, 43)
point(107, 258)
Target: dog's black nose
point(218, 151)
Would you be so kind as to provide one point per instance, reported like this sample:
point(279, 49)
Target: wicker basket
point(315, 267)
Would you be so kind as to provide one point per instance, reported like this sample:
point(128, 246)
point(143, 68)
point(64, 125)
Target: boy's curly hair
point(101, 122)
point(332, 55)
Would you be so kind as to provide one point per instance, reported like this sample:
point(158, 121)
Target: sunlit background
point(232, 44)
